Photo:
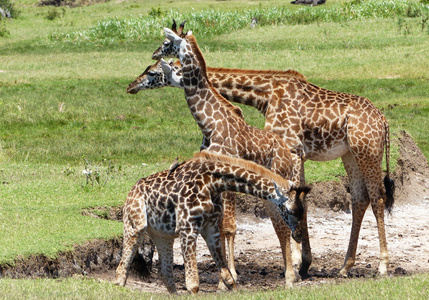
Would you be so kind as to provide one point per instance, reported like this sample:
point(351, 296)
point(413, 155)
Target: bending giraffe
point(186, 202)
point(320, 125)
point(226, 132)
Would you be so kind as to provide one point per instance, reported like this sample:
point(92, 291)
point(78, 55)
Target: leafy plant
point(98, 174)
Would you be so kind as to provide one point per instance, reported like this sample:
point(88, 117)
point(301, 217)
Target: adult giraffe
point(226, 132)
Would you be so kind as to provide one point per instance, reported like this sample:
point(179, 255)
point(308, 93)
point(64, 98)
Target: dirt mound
point(412, 173)
point(258, 257)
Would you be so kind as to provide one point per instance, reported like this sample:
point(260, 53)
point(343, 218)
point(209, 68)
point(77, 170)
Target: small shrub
point(156, 12)
point(55, 13)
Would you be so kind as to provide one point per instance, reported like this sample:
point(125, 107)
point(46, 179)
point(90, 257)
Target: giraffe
point(320, 125)
point(184, 202)
point(227, 133)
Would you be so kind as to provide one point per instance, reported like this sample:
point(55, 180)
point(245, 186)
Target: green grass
point(411, 287)
point(64, 101)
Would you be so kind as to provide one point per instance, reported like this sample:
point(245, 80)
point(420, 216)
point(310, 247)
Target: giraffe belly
point(325, 153)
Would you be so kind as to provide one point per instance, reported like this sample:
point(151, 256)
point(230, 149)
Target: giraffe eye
point(151, 73)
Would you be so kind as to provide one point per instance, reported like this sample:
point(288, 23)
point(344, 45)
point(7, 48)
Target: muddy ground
point(258, 256)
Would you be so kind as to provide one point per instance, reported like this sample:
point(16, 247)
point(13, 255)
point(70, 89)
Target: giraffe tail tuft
point(141, 267)
point(389, 184)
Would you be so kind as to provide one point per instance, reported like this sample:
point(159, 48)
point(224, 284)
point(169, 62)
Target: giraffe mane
point(243, 163)
point(197, 51)
point(287, 73)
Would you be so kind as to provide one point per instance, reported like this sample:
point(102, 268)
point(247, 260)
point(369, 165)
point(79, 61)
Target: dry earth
point(258, 256)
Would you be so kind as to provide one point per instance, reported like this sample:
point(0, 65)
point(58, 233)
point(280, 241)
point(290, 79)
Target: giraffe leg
point(211, 236)
point(296, 254)
point(367, 147)
point(165, 253)
point(228, 228)
point(133, 238)
point(284, 235)
point(378, 209)
point(360, 202)
point(306, 248)
point(378, 200)
point(188, 241)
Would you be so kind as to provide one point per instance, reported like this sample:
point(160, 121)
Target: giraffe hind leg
point(165, 252)
point(133, 238)
point(360, 201)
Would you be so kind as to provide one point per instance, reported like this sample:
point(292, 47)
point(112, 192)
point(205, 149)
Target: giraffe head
point(158, 75)
point(292, 210)
point(170, 48)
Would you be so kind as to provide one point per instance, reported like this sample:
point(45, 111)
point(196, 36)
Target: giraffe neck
point(236, 174)
point(203, 100)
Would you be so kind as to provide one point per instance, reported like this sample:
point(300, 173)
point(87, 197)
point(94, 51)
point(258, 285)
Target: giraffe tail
point(389, 184)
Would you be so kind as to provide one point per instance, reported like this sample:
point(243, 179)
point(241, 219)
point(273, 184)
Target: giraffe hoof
point(342, 273)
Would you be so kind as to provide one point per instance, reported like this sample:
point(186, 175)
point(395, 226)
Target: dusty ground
point(258, 258)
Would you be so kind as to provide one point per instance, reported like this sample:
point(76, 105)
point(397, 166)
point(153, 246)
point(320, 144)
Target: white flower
point(87, 172)
point(143, 164)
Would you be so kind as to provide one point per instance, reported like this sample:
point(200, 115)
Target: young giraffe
point(225, 132)
point(185, 202)
point(320, 125)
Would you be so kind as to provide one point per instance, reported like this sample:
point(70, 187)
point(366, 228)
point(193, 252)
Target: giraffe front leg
point(211, 236)
point(284, 235)
point(188, 241)
point(228, 228)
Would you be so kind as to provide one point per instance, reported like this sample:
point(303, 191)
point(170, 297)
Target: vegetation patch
point(215, 22)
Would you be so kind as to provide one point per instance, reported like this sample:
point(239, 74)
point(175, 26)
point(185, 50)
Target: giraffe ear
point(169, 34)
point(182, 25)
point(165, 66)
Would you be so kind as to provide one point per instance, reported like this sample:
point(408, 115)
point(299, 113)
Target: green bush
point(55, 13)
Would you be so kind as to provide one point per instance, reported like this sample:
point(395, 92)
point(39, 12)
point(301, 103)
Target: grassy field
point(63, 75)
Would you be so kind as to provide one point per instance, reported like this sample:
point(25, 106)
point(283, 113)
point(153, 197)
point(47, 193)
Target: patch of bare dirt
point(257, 252)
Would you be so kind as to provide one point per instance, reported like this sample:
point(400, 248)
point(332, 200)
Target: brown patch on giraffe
point(258, 262)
